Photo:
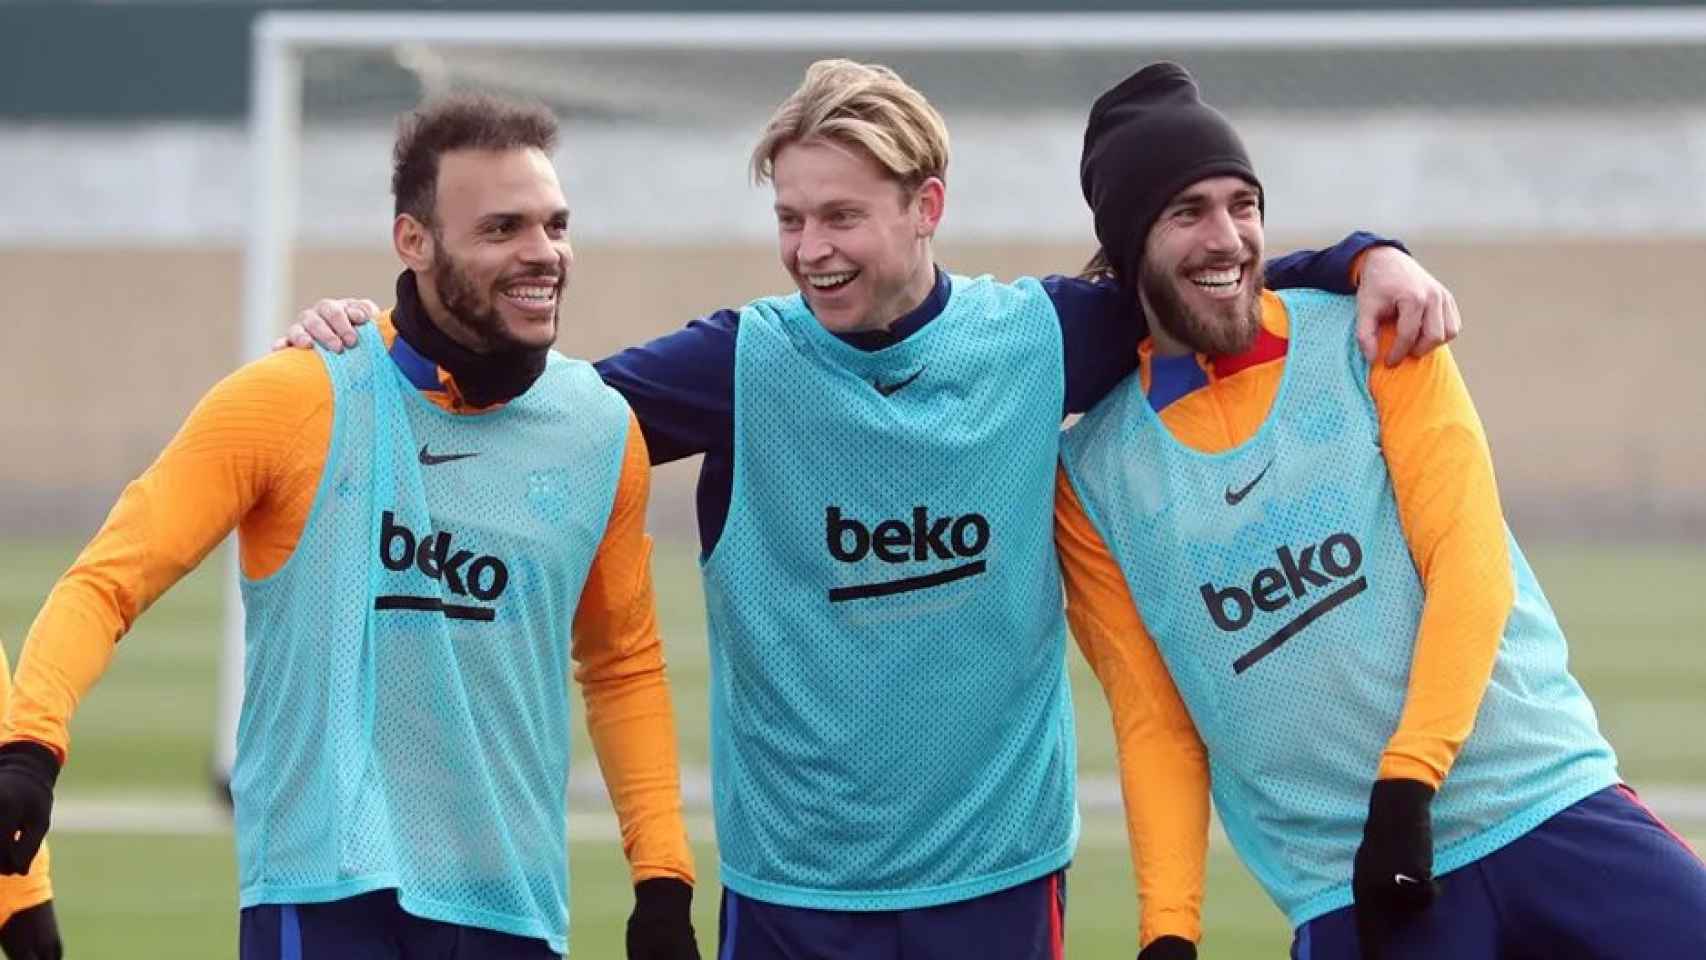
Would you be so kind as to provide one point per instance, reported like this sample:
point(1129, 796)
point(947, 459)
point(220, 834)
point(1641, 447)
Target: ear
point(930, 199)
point(413, 241)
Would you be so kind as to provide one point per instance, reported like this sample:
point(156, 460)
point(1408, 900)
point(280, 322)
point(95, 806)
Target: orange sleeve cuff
point(1163, 765)
point(620, 666)
point(1448, 505)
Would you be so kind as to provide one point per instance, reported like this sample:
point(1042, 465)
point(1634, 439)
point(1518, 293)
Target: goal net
point(1549, 165)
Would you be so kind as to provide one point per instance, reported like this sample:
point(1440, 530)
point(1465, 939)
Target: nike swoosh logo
point(1400, 879)
point(1235, 497)
point(434, 459)
point(890, 389)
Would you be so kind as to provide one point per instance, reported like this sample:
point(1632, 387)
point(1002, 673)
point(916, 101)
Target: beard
point(1222, 329)
point(477, 315)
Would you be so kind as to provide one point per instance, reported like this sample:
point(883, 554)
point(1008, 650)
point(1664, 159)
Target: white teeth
point(532, 293)
point(1218, 278)
point(826, 280)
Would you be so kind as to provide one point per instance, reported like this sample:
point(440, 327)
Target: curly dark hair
point(460, 121)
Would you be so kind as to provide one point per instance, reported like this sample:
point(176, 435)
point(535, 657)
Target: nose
point(814, 245)
point(1220, 233)
point(538, 248)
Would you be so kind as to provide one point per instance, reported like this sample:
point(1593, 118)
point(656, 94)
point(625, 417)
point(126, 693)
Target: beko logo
point(947, 538)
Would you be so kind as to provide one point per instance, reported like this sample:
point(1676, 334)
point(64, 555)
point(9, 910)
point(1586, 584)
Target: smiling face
point(1201, 279)
point(855, 240)
point(493, 262)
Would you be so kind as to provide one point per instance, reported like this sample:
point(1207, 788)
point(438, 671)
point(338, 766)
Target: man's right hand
point(27, 774)
point(329, 323)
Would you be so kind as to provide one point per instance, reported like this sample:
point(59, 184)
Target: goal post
point(1451, 97)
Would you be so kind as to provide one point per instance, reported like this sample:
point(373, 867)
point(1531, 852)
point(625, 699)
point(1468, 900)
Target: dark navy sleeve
point(1101, 325)
point(681, 386)
point(1100, 328)
point(1328, 269)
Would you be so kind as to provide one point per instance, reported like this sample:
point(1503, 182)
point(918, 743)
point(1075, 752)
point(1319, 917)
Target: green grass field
point(1635, 615)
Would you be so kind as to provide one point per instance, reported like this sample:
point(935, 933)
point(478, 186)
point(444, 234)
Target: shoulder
point(295, 377)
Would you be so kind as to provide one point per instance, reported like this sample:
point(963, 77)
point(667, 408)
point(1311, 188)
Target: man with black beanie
point(1335, 618)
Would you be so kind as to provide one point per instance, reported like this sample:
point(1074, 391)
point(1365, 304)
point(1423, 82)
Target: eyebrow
point(509, 216)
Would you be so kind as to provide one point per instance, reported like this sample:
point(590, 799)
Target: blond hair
point(864, 105)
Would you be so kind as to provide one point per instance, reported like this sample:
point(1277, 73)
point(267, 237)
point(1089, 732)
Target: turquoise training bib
point(1278, 584)
point(890, 720)
point(405, 712)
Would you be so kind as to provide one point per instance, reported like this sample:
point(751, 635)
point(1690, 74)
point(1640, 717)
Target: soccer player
point(423, 524)
point(1291, 573)
point(892, 749)
point(28, 928)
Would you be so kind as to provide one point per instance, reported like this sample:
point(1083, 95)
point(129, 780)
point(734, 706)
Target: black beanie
point(1150, 137)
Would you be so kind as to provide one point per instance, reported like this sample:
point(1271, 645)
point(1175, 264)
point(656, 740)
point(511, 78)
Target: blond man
point(892, 748)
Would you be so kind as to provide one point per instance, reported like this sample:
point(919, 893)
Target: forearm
point(121, 572)
point(1333, 269)
point(632, 726)
point(1164, 774)
point(1448, 505)
point(620, 667)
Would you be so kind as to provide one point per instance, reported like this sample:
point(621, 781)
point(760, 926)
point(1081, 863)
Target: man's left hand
point(661, 926)
point(1395, 288)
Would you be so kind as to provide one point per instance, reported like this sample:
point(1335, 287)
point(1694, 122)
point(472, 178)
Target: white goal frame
point(280, 39)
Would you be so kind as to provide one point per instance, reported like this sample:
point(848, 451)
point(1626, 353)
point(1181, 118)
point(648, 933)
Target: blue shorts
point(1605, 878)
point(1026, 922)
point(371, 927)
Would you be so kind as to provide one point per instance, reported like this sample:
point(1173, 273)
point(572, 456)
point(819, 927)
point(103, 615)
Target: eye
point(844, 218)
point(557, 227)
point(788, 221)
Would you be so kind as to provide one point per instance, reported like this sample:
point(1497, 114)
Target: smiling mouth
point(532, 296)
point(829, 282)
point(1218, 280)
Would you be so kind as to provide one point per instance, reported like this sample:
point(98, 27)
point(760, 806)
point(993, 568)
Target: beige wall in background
point(1583, 359)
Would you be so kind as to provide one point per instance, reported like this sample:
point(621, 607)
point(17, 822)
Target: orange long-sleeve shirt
point(22, 892)
point(250, 456)
point(1448, 505)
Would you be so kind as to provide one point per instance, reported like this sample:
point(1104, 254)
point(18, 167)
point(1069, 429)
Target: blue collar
point(420, 371)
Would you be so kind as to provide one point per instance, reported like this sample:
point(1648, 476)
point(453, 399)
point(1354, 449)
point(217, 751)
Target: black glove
point(1392, 878)
point(27, 773)
point(1168, 948)
point(32, 934)
point(661, 926)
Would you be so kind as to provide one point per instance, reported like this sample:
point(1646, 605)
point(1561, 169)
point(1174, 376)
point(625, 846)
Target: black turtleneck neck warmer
point(482, 378)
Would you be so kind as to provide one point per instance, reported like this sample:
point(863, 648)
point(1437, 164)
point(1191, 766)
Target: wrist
point(663, 895)
point(1398, 804)
point(36, 758)
point(1168, 947)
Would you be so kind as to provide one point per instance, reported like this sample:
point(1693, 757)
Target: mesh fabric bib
point(405, 713)
point(1276, 580)
point(891, 725)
